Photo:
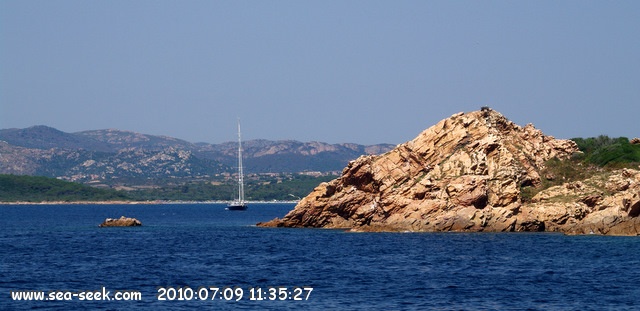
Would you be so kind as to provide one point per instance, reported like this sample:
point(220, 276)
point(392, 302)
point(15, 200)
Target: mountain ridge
point(112, 156)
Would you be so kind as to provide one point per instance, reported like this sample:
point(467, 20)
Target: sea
point(201, 256)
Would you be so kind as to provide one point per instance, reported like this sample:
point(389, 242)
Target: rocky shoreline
point(467, 174)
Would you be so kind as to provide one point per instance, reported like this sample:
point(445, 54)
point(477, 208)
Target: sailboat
point(239, 204)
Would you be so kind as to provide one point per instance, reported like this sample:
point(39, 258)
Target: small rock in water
point(121, 222)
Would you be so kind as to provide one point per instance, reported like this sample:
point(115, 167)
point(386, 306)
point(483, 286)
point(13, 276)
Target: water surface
point(60, 247)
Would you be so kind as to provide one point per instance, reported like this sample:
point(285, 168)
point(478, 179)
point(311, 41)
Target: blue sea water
point(60, 247)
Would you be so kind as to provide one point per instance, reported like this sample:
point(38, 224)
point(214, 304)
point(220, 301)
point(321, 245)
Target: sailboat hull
point(237, 207)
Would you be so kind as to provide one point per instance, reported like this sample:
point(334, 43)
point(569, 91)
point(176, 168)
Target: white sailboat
point(239, 204)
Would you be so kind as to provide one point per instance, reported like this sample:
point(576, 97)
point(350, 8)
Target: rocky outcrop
point(466, 174)
point(121, 222)
point(608, 203)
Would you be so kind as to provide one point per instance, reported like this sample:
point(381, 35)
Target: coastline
point(137, 202)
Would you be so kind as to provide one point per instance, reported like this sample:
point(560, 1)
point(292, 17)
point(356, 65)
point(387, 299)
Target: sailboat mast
point(240, 172)
point(239, 204)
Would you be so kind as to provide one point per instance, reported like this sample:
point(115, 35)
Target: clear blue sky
point(333, 71)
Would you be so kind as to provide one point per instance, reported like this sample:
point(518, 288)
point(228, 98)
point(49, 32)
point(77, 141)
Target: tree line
point(20, 188)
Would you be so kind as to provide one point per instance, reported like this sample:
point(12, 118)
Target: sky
point(342, 71)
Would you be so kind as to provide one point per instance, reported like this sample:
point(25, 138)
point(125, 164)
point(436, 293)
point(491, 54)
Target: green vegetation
point(604, 151)
point(281, 187)
point(18, 188)
point(296, 186)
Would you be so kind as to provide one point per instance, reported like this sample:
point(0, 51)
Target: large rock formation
point(466, 174)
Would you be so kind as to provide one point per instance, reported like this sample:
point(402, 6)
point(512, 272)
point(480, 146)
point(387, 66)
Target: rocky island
point(121, 222)
point(468, 173)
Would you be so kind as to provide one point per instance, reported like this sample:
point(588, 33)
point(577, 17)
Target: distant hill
point(122, 157)
point(109, 140)
point(118, 139)
point(44, 137)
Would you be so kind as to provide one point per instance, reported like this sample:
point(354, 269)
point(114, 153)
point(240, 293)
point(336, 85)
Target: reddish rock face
point(463, 174)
